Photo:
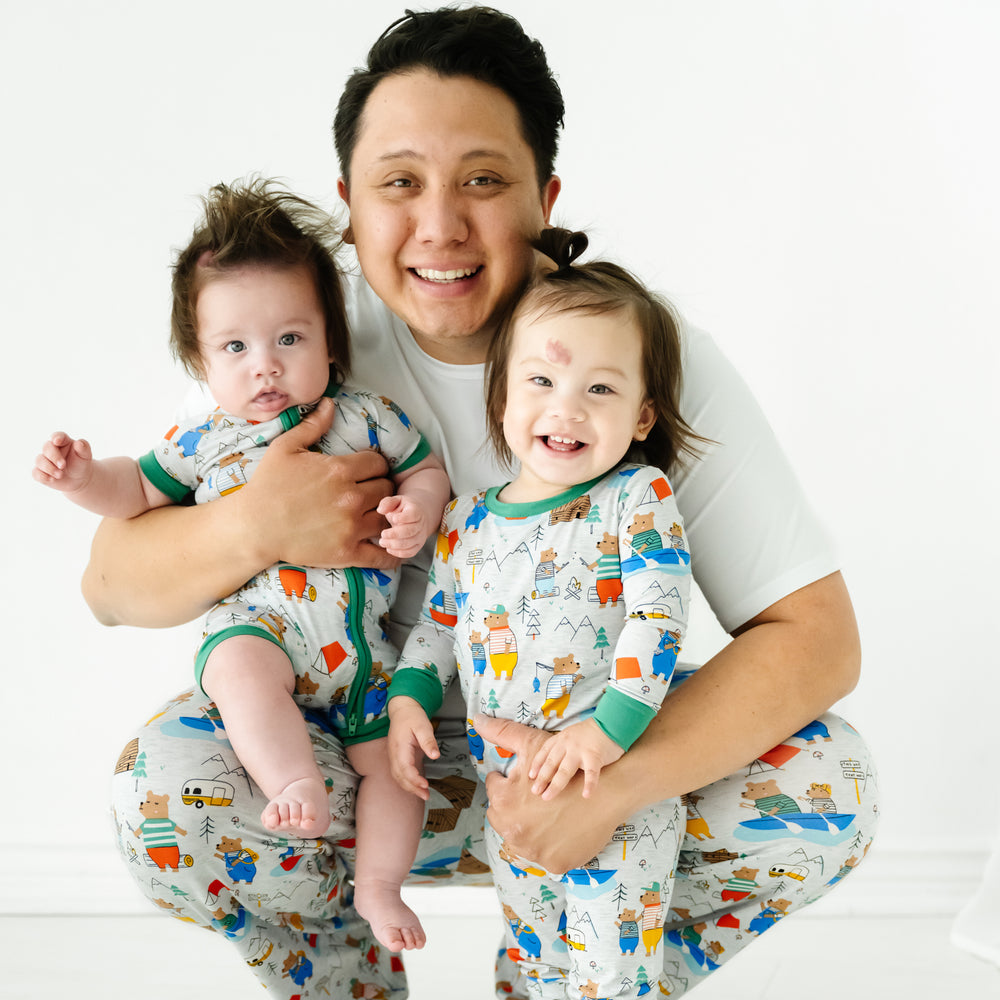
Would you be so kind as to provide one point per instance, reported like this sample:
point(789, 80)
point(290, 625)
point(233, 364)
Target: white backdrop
point(814, 183)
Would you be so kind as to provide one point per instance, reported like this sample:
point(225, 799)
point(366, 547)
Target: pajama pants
point(752, 852)
point(593, 931)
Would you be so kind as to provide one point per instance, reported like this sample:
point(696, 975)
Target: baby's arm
point(411, 738)
point(112, 487)
point(415, 511)
point(581, 747)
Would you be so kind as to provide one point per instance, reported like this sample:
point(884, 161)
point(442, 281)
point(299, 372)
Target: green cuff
point(162, 480)
point(421, 685)
point(422, 450)
point(622, 718)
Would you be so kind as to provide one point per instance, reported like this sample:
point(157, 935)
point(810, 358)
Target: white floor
point(155, 958)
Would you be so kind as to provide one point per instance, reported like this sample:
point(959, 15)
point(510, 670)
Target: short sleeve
point(756, 537)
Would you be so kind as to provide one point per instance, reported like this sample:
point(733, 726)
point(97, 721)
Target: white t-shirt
point(752, 534)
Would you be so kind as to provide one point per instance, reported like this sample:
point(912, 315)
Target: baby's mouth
point(561, 443)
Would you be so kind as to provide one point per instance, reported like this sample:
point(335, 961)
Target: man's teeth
point(428, 275)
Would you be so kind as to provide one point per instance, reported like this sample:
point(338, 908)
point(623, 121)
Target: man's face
point(444, 198)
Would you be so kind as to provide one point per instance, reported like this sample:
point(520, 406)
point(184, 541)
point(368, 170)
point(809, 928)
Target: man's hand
point(318, 510)
point(562, 834)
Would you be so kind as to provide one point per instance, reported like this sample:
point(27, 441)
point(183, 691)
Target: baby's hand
point(408, 528)
point(411, 738)
point(65, 464)
point(581, 747)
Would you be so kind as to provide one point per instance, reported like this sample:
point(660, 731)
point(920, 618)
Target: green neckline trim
point(531, 507)
point(294, 414)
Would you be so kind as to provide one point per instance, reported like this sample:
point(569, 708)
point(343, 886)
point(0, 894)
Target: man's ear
point(345, 196)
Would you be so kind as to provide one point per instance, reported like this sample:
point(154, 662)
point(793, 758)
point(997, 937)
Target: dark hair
point(477, 42)
point(252, 222)
point(599, 287)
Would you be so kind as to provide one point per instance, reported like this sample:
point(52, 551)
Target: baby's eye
point(601, 389)
point(540, 380)
point(287, 339)
point(235, 347)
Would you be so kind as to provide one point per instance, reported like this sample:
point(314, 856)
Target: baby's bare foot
point(395, 925)
point(301, 809)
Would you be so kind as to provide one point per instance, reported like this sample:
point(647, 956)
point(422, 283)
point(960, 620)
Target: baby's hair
point(593, 288)
point(249, 223)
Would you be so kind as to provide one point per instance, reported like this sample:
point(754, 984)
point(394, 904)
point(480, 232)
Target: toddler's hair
point(598, 287)
point(249, 223)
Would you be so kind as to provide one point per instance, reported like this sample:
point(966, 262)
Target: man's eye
point(483, 181)
point(235, 346)
point(401, 182)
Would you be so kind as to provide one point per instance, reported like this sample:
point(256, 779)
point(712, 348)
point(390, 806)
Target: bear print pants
point(756, 847)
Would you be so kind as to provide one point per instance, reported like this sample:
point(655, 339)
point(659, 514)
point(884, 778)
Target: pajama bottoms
point(754, 848)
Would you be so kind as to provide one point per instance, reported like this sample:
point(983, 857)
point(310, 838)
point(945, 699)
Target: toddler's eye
point(287, 339)
point(235, 346)
point(541, 380)
point(601, 389)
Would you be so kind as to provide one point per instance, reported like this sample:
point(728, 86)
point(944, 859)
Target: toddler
point(560, 600)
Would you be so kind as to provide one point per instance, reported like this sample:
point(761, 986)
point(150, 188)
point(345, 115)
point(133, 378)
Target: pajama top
point(601, 636)
point(328, 622)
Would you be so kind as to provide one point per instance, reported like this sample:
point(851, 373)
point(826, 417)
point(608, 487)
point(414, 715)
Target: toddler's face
point(576, 399)
point(262, 338)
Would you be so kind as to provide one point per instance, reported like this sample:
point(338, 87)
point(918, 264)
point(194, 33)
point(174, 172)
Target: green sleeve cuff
point(622, 718)
point(162, 480)
point(416, 456)
point(421, 685)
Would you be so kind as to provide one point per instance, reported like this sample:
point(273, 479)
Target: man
point(447, 140)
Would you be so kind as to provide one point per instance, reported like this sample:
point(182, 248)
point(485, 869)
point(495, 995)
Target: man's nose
point(441, 218)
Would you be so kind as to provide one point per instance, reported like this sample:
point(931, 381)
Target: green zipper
point(359, 687)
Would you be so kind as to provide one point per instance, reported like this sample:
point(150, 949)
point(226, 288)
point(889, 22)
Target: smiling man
point(447, 140)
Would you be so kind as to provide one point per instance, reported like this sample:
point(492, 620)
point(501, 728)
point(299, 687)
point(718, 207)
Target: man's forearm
point(168, 565)
point(780, 672)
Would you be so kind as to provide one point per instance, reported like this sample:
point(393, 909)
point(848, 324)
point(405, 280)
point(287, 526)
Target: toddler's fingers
point(82, 448)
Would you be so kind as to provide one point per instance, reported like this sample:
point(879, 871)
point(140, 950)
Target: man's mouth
point(445, 277)
point(557, 443)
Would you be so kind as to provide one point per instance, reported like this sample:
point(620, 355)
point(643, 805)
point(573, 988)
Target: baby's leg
point(388, 822)
point(251, 682)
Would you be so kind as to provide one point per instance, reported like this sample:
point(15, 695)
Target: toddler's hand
point(411, 738)
point(408, 528)
point(65, 464)
point(581, 747)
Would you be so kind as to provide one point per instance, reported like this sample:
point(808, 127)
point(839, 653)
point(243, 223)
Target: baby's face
point(262, 338)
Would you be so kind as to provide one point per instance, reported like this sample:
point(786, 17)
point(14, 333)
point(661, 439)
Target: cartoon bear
point(545, 574)
point(503, 645)
point(628, 931)
point(652, 917)
point(768, 798)
point(158, 826)
point(819, 796)
point(297, 967)
point(665, 656)
point(645, 538)
point(525, 936)
point(697, 825)
point(609, 570)
point(478, 653)
point(565, 674)
point(240, 861)
point(739, 884)
point(305, 685)
point(769, 915)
